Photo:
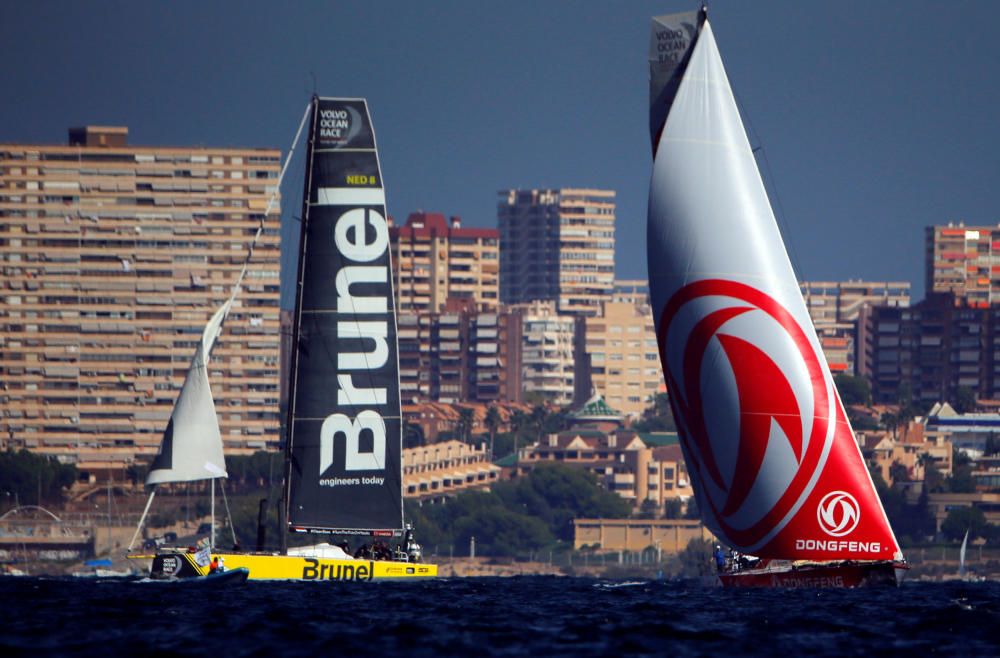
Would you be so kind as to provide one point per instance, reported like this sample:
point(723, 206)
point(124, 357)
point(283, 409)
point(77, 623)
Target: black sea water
point(469, 617)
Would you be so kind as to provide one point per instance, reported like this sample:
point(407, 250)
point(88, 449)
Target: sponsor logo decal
point(362, 236)
point(781, 394)
point(807, 581)
point(338, 126)
point(314, 570)
point(171, 565)
point(838, 513)
point(838, 545)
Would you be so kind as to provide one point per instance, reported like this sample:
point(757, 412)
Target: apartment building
point(834, 307)
point(928, 351)
point(557, 245)
point(434, 260)
point(637, 467)
point(548, 351)
point(623, 362)
point(460, 354)
point(963, 260)
point(443, 469)
point(114, 258)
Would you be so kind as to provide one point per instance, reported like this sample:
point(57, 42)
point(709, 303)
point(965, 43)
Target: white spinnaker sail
point(772, 457)
point(191, 448)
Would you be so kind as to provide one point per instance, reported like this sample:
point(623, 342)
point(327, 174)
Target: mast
point(293, 362)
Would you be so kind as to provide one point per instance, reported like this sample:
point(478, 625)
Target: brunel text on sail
point(350, 235)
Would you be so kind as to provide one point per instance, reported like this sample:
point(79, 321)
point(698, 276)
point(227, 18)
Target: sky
point(874, 118)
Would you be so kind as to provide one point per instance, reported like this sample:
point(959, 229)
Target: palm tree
point(492, 422)
point(463, 426)
point(538, 416)
point(518, 421)
point(892, 421)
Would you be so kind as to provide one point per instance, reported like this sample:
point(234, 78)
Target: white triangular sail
point(191, 448)
point(961, 555)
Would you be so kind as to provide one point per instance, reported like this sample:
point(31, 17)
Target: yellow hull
point(288, 567)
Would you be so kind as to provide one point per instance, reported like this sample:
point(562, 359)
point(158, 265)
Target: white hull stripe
point(350, 196)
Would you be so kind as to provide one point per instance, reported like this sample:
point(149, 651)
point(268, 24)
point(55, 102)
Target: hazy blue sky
point(876, 118)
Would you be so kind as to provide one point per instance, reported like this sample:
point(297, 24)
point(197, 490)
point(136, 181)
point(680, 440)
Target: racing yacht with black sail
point(343, 455)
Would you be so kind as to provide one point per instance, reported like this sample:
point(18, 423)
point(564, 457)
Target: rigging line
point(267, 211)
point(229, 515)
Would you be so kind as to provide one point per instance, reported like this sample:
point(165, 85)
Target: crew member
point(720, 559)
point(212, 568)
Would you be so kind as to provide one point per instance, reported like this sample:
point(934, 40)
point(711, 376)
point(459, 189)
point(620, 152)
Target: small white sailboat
point(961, 556)
point(775, 466)
point(191, 446)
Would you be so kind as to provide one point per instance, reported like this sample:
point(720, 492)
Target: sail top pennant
point(670, 43)
point(191, 447)
point(773, 460)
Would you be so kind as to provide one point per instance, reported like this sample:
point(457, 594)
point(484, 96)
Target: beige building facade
point(114, 258)
point(624, 362)
point(442, 469)
point(638, 468)
point(434, 260)
point(668, 536)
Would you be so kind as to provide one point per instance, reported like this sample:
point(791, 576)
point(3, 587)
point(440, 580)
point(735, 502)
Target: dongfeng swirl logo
point(749, 390)
point(838, 513)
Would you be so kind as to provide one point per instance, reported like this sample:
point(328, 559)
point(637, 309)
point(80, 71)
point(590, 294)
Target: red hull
point(839, 574)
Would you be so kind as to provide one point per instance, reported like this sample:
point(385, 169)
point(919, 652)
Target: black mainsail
point(344, 426)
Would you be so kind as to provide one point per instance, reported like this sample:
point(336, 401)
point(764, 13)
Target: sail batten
point(772, 458)
point(345, 423)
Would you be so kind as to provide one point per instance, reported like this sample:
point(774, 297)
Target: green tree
point(861, 421)
point(673, 508)
point(696, 558)
point(853, 390)
point(960, 519)
point(253, 471)
point(463, 426)
point(413, 435)
point(492, 422)
point(965, 400)
point(537, 420)
point(29, 478)
point(648, 509)
point(898, 472)
point(961, 480)
point(891, 421)
point(558, 493)
point(657, 417)
point(500, 532)
point(933, 479)
point(528, 513)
